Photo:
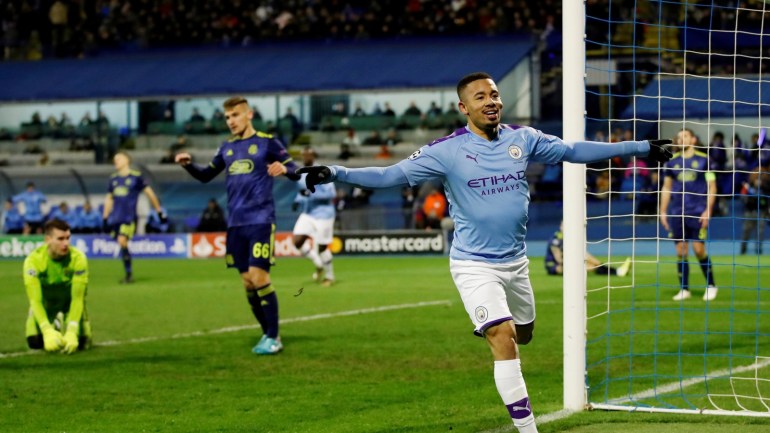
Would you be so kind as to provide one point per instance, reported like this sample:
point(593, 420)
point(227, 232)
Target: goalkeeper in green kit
point(56, 277)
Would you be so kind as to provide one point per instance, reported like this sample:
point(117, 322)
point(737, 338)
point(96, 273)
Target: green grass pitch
point(387, 349)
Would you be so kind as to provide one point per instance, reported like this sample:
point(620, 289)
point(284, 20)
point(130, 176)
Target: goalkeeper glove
point(70, 340)
point(658, 150)
point(52, 339)
point(163, 217)
point(316, 175)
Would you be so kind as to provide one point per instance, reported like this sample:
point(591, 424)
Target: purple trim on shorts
point(457, 133)
point(521, 409)
point(480, 332)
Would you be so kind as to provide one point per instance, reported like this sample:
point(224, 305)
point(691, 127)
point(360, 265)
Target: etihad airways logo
point(503, 179)
point(499, 184)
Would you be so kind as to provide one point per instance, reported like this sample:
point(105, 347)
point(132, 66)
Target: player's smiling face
point(482, 104)
point(238, 119)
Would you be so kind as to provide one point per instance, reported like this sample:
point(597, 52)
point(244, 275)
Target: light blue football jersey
point(319, 204)
point(486, 186)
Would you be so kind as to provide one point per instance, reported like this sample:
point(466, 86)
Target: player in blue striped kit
point(316, 223)
point(251, 159)
point(482, 167)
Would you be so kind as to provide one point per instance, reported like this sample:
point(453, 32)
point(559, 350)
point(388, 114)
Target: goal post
point(574, 284)
point(649, 70)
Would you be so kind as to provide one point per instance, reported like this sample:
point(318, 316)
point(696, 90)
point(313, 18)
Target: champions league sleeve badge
point(417, 153)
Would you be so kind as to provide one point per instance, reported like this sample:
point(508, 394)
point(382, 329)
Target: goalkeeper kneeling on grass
point(55, 278)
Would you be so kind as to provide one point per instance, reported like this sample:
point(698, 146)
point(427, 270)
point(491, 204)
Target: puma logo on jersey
point(473, 158)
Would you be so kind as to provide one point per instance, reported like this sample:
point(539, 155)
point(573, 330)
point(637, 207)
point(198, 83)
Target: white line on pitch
point(254, 326)
point(673, 386)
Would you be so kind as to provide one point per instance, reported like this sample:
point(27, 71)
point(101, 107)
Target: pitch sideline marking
point(245, 327)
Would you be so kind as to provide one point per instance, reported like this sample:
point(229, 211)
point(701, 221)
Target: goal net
point(652, 69)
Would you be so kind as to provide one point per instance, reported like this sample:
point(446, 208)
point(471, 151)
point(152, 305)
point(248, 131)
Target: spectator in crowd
point(384, 152)
point(217, 116)
point(434, 110)
point(13, 221)
point(373, 139)
point(387, 111)
point(89, 219)
point(33, 208)
point(412, 110)
point(213, 218)
point(56, 279)
point(408, 195)
point(64, 213)
point(196, 116)
point(718, 160)
point(155, 224)
point(257, 115)
point(433, 208)
point(351, 138)
point(636, 176)
point(295, 125)
point(755, 195)
point(179, 144)
point(392, 138)
point(36, 120)
point(358, 111)
point(86, 120)
point(345, 152)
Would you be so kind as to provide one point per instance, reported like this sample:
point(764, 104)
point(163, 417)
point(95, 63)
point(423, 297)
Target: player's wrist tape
point(73, 327)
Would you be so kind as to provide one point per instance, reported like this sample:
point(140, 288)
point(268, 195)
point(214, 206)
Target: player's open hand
point(183, 158)
point(316, 175)
point(658, 150)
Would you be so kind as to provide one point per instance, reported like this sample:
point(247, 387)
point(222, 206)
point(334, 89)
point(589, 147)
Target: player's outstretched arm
point(593, 151)
point(369, 177)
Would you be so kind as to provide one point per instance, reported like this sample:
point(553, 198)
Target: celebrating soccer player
point(120, 207)
point(686, 203)
point(251, 159)
point(482, 167)
point(316, 222)
point(56, 278)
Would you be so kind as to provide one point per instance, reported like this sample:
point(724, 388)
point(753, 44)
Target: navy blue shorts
point(550, 267)
point(250, 245)
point(686, 229)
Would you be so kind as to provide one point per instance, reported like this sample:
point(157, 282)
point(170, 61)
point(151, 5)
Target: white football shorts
point(494, 292)
point(320, 230)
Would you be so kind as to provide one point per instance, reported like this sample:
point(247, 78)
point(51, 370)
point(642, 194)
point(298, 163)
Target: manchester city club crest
point(481, 314)
point(515, 151)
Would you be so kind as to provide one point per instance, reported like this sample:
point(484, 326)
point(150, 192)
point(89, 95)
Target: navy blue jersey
point(125, 192)
point(690, 186)
point(249, 187)
point(557, 240)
